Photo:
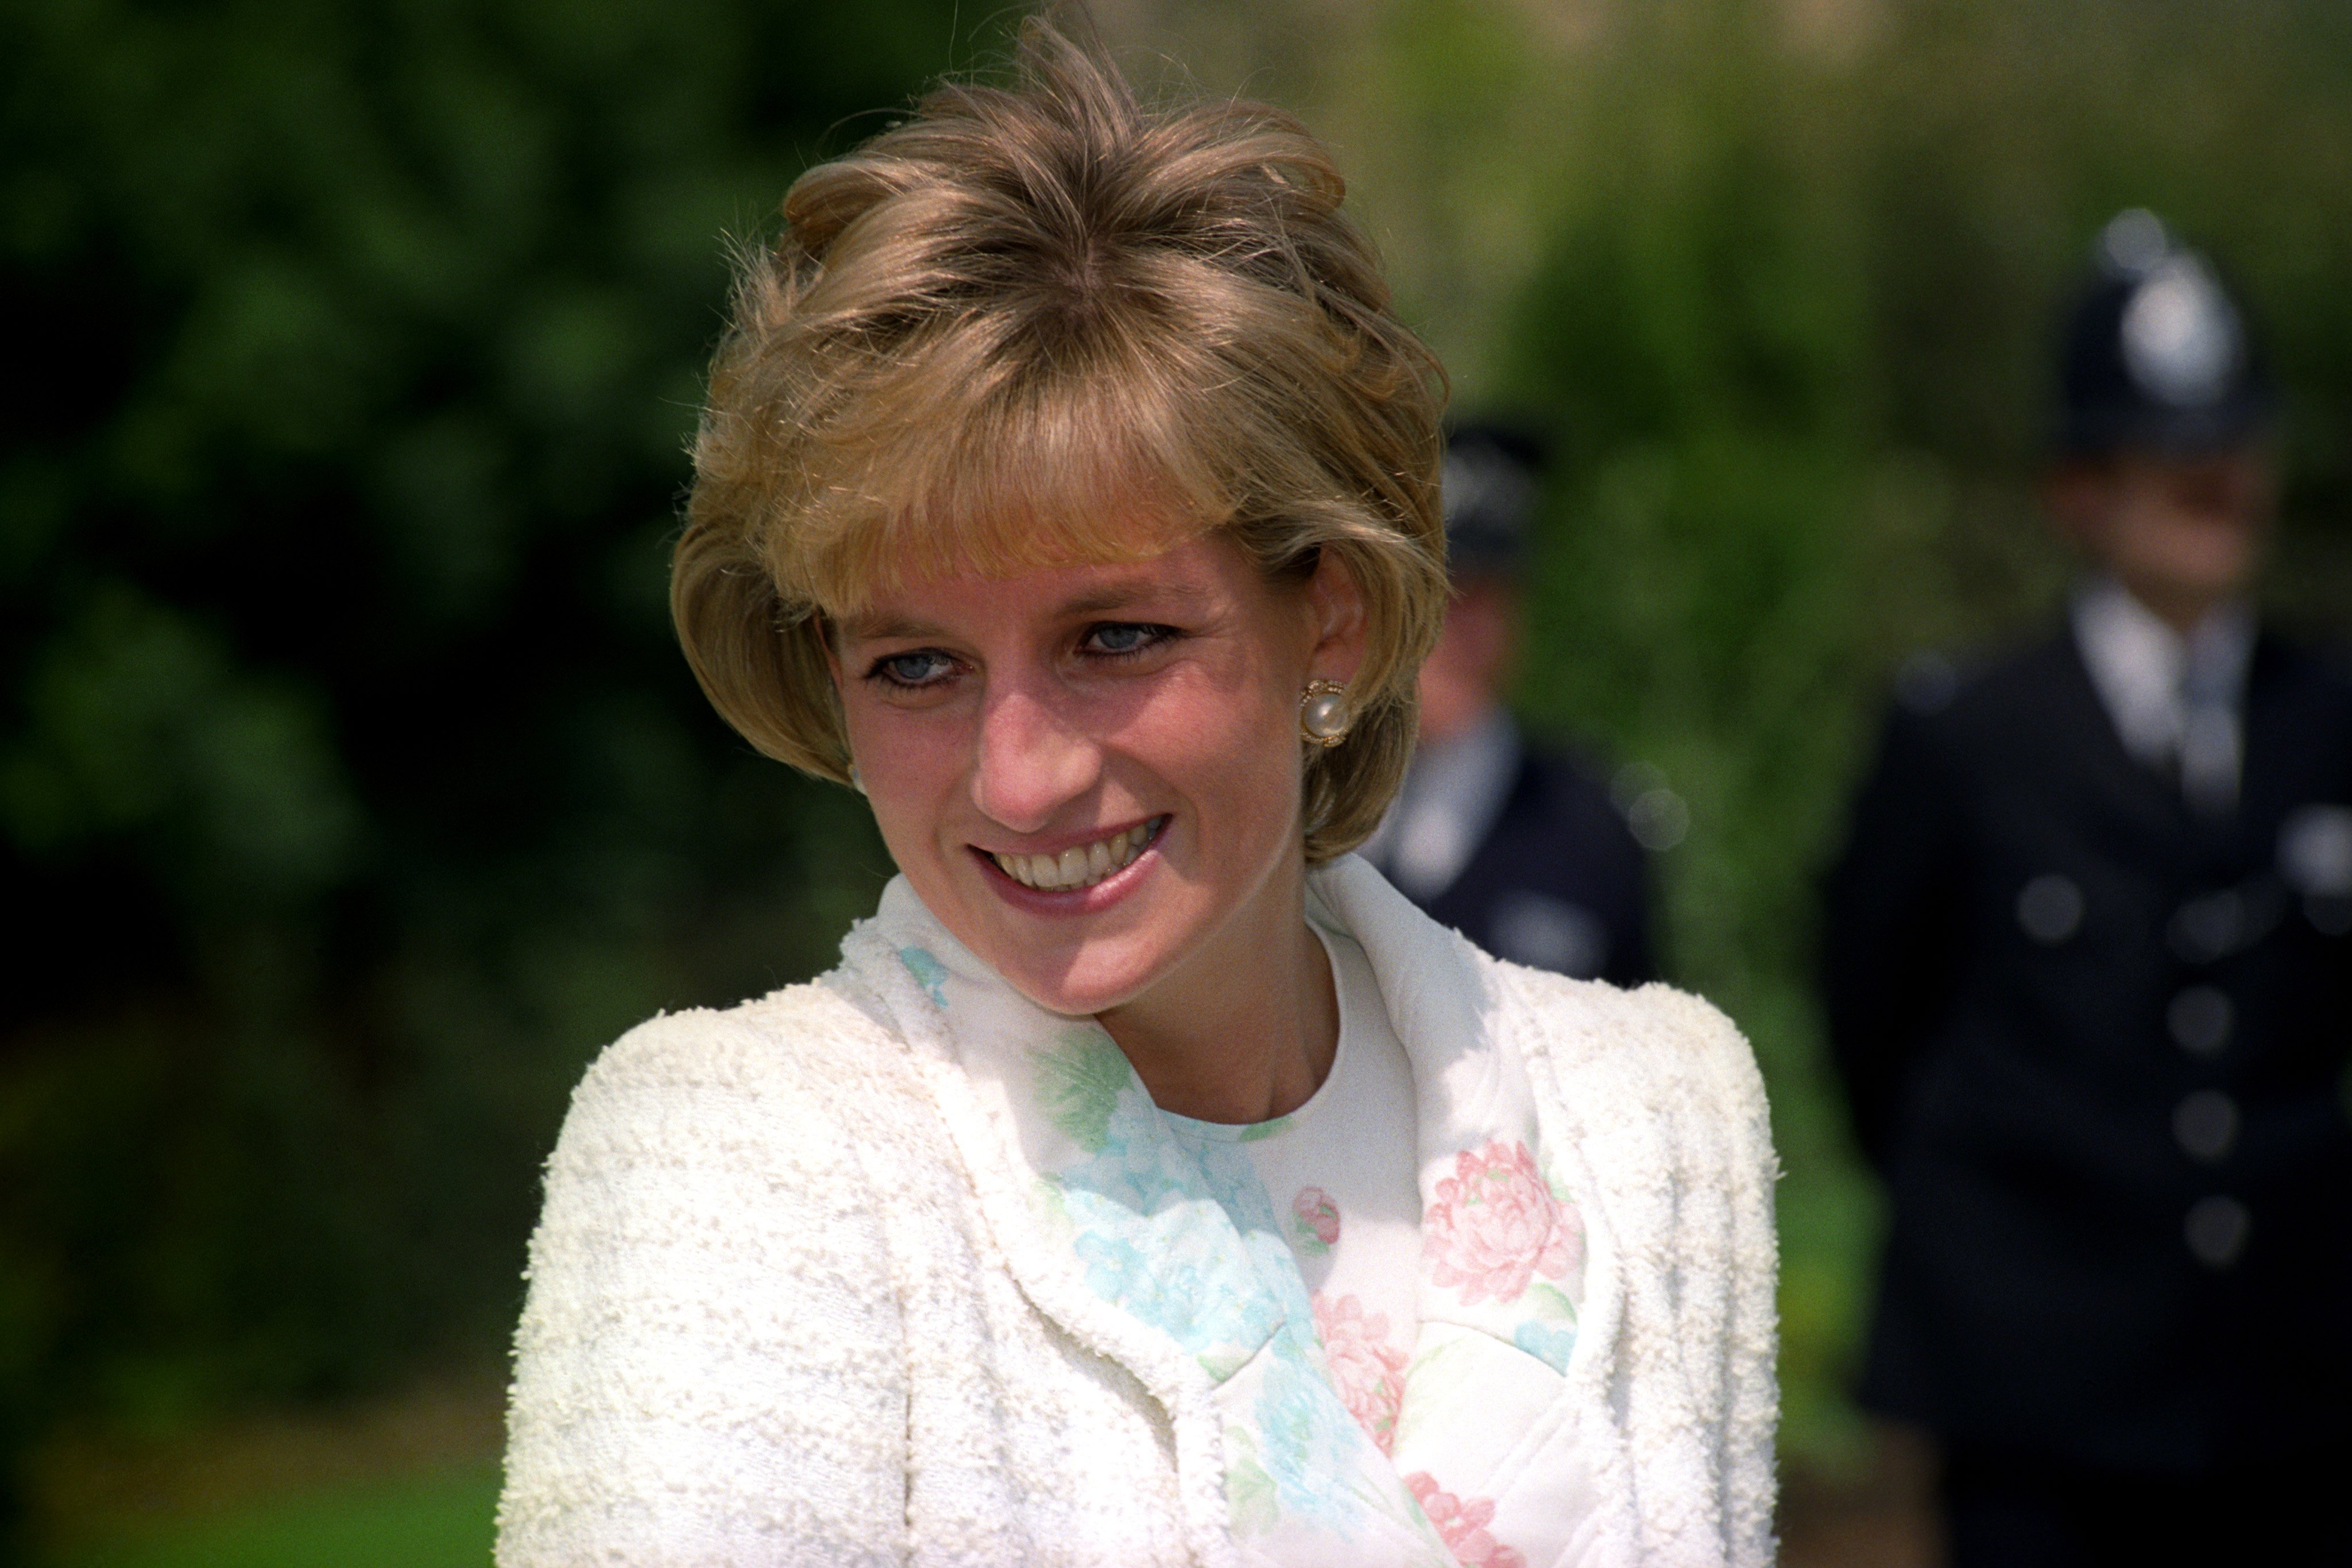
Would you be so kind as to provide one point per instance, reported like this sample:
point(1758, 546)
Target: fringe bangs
point(979, 475)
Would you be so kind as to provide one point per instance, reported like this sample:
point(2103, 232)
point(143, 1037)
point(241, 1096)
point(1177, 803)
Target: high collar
point(2175, 702)
point(2147, 675)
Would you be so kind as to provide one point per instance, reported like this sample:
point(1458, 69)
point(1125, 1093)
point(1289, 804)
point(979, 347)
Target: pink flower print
point(1495, 1225)
point(1368, 1371)
point(1462, 1525)
point(1319, 1220)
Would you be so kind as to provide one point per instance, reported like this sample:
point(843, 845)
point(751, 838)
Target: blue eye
point(922, 668)
point(1123, 637)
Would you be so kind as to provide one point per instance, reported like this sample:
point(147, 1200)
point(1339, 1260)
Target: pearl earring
point(1323, 716)
point(855, 781)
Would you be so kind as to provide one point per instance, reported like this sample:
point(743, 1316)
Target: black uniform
point(1558, 881)
point(2093, 1004)
point(2090, 1035)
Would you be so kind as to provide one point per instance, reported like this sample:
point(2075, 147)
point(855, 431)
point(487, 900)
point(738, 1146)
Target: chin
point(1083, 983)
point(2213, 580)
point(2207, 561)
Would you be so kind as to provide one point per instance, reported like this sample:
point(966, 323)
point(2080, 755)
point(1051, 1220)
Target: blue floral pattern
point(929, 973)
point(1181, 1235)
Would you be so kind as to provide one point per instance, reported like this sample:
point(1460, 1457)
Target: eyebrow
point(886, 629)
point(1116, 596)
point(1112, 596)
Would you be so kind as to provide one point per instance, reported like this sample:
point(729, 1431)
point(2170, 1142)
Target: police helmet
point(2158, 357)
point(1489, 484)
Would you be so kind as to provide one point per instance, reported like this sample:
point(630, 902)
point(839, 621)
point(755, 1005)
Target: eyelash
point(1153, 636)
point(880, 674)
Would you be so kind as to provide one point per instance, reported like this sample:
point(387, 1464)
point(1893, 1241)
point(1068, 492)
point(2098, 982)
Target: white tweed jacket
point(789, 1303)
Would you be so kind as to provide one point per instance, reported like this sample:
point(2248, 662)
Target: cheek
point(909, 764)
point(2141, 532)
point(1234, 756)
point(2189, 539)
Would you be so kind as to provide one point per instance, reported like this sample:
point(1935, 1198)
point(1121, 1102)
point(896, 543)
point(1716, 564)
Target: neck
point(1246, 1030)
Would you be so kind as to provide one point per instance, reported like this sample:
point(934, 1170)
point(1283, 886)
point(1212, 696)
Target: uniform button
point(2315, 850)
point(2215, 1230)
point(2200, 1018)
point(2050, 908)
point(2206, 1123)
point(2207, 928)
point(1928, 682)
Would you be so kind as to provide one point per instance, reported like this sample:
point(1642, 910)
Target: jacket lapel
point(899, 962)
point(1487, 1435)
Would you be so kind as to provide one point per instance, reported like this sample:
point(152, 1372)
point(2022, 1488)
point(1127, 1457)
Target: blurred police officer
point(2090, 987)
point(1516, 848)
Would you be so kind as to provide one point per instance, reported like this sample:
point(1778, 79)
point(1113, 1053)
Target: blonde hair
point(990, 331)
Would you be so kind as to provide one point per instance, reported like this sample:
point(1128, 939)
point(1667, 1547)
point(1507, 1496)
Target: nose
point(1033, 760)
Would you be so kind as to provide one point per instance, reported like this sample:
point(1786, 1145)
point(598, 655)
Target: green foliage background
point(352, 793)
point(352, 789)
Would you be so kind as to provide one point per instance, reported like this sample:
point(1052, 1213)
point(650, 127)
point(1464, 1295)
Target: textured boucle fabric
point(787, 1305)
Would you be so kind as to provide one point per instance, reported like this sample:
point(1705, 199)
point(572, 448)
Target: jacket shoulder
point(1657, 1093)
point(1576, 802)
point(804, 1035)
point(1651, 1022)
point(1935, 691)
point(2320, 671)
point(1657, 1047)
point(1565, 774)
point(710, 1355)
point(791, 1064)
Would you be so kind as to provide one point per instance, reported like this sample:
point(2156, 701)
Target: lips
point(1081, 865)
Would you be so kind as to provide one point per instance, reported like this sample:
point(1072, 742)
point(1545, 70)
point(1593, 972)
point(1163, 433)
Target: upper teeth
point(1084, 865)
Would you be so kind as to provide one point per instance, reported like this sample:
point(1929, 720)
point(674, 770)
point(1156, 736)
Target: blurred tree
point(351, 790)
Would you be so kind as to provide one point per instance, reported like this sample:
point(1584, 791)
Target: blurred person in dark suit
point(1518, 848)
point(2089, 984)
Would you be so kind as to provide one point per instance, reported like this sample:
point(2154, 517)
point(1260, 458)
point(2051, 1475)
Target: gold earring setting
point(1323, 716)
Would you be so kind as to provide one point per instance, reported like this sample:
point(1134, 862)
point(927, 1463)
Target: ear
point(1337, 621)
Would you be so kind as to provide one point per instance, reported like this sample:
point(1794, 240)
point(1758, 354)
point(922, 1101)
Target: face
point(2182, 533)
point(1462, 677)
point(1092, 774)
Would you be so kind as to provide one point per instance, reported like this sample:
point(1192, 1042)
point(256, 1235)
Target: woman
point(1149, 1183)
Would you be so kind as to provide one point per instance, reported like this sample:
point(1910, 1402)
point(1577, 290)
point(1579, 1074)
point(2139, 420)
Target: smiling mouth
point(1082, 865)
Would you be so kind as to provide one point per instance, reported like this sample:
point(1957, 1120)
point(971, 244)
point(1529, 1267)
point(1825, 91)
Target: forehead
point(1203, 575)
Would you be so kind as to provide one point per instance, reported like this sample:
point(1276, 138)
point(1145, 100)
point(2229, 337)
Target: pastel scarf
point(1180, 1237)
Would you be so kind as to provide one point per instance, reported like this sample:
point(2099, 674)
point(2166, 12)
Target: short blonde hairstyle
point(991, 328)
